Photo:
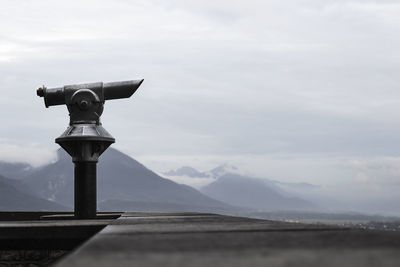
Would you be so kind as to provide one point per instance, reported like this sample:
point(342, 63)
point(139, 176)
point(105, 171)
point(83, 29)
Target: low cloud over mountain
point(187, 171)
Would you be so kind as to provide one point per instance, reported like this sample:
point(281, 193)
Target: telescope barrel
point(112, 90)
point(116, 90)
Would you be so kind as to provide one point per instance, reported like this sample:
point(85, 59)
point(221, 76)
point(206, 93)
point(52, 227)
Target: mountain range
point(15, 170)
point(245, 191)
point(253, 193)
point(122, 184)
point(14, 195)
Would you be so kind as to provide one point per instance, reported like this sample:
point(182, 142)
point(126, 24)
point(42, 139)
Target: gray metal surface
point(139, 239)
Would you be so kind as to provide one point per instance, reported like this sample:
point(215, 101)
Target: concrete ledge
point(188, 239)
point(25, 230)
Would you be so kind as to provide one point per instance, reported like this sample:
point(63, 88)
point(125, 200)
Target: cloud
point(307, 81)
point(28, 153)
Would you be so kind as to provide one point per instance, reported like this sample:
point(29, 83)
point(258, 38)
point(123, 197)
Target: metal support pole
point(85, 190)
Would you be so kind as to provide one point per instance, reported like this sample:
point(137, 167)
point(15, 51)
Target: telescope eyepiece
point(40, 91)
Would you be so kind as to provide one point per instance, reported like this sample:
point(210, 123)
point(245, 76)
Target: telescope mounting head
point(85, 105)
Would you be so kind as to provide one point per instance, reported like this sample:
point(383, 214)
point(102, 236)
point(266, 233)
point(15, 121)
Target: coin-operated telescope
point(85, 138)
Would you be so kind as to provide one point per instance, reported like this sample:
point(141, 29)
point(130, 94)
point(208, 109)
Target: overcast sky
point(294, 90)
